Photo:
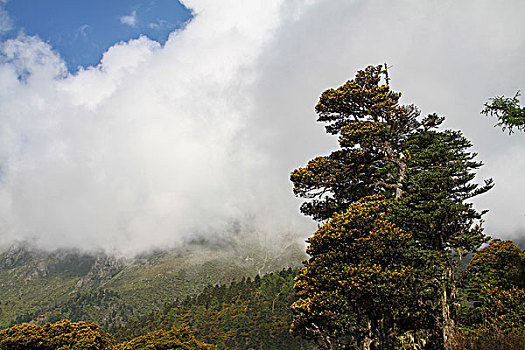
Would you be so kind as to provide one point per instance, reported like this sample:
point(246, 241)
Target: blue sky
point(82, 30)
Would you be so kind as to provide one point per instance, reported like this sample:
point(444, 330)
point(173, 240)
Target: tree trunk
point(447, 323)
point(386, 336)
point(367, 342)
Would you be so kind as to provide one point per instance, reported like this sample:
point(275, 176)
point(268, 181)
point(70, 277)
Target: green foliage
point(58, 336)
point(103, 305)
point(434, 210)
point(40, 287)
point(437, 184)
point(248, 314)
point(508, 111)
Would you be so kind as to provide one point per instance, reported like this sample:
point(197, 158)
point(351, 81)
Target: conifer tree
point(435, 211)
point(424, 174)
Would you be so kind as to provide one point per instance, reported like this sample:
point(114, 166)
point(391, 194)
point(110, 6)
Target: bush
point(61, 335)
point(491, 338)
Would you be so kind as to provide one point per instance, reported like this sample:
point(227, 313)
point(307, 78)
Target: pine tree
point(423, 173)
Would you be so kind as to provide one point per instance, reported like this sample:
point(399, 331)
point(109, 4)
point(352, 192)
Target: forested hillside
point(39, 287)
point(249, 314)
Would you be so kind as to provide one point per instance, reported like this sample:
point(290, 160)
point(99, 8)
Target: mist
point(159, 145)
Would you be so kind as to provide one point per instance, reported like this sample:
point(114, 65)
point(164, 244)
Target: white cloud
point(141, 151)
point(130, 20)
point(82, 31)
point(161, 24)
point(447, 57)
point(160, 143)
point(6, 24)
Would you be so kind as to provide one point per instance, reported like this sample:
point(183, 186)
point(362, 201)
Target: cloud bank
point(158, 144)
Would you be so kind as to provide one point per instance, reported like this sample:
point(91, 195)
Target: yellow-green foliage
point(359, 280)
point(173, 339)
point(63, 335)
point(360, 97)
point(371, 125)
point(366, 133)
point(501, 263)
point(504, 308)
point(66, 335)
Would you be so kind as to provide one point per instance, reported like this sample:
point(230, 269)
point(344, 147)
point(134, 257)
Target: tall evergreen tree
point(424, 173)
point(435, 211)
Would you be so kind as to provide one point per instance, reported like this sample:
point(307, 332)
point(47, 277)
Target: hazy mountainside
point(38, 286)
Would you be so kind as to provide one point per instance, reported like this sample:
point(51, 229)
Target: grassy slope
point(40, 287)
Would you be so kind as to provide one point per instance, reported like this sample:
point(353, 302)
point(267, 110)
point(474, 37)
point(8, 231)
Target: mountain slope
point(37, 286)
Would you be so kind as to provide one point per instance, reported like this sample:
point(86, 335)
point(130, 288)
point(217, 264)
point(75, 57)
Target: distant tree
point(174, 339)
point(248, 314)
point(508, 111)
point(496, 286)
point(60, 335)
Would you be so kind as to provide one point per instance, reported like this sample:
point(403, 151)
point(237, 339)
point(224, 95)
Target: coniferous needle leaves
point(385, 276)
point(508, 111)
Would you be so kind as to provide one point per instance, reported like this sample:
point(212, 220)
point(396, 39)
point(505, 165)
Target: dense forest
point(400, 259)
point(248, 314)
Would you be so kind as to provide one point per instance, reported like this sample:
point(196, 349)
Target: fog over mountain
point(160, 145)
